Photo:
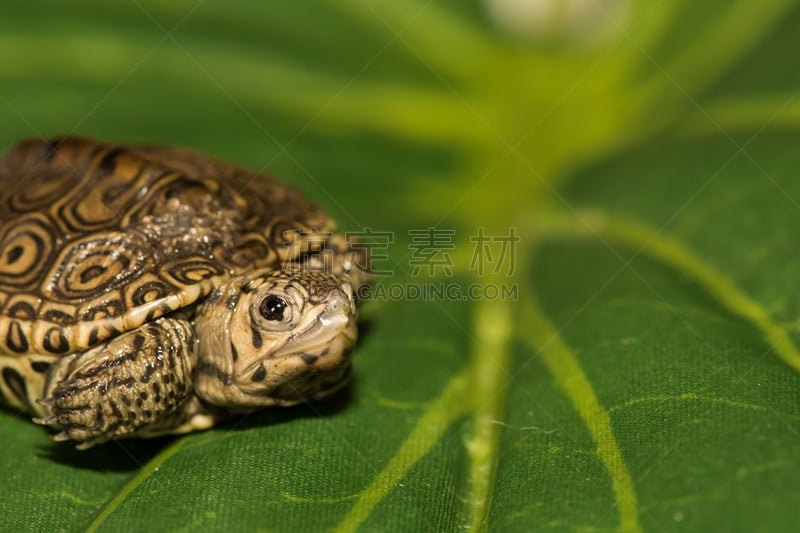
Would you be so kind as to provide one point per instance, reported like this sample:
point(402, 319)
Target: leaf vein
point(144, 474)
point(671, 252)
point(686, 396)
point(447, 408)
point(543, 337)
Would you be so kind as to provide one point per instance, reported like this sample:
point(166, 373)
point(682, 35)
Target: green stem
point(746, 114)
point(421, 27)
point(417, 112)
point(691, 72)
point(490, 377)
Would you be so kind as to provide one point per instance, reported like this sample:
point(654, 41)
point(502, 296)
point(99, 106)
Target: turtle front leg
point(130, 384)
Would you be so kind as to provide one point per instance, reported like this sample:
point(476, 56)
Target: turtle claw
point(88, 444)
point(60, 437)
point(45, 421)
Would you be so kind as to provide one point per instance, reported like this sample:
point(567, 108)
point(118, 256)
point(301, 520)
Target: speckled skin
point(134, 285)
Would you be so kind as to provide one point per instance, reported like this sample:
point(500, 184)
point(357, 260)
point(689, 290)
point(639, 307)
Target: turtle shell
point(99, 238)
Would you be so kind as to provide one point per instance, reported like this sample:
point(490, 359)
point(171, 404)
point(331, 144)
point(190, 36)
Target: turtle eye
point(273, 307)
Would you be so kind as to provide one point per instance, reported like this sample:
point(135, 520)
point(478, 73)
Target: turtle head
point(275, 337)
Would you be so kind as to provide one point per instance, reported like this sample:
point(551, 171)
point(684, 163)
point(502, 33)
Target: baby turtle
point(152, 290)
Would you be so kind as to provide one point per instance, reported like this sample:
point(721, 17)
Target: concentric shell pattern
point(97, 238)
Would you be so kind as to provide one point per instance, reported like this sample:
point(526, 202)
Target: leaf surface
point(641, 372)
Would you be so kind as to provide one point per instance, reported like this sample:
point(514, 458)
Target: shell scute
point(95, 263)
point(27, 245)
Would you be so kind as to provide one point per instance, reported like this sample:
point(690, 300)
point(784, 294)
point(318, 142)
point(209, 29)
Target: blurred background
point(638, 159)
point(464, 109)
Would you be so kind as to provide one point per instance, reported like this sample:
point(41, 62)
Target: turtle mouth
point(302, 374)
point(316, 337)
point(315, 351)
point(329, 384)
point(310, 388)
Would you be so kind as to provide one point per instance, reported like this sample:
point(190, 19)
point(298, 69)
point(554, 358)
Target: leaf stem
point(490, 377)
point(272, 85)
point(745, 114)
point(422, 26)
point(750, 22)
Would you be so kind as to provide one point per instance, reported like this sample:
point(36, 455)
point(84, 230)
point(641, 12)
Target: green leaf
point(640, 373)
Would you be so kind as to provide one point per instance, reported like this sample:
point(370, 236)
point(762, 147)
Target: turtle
point(149, 290)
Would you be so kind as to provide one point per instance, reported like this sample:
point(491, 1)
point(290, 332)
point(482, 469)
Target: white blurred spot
point(573, 20)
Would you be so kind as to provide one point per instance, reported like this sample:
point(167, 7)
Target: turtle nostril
point(336, 304)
